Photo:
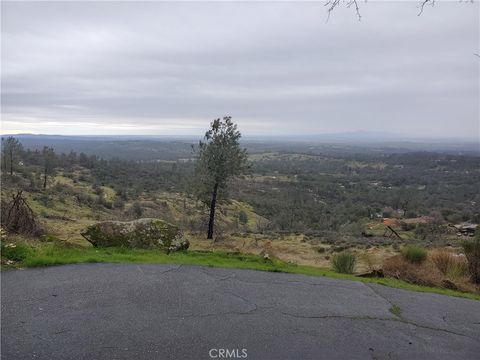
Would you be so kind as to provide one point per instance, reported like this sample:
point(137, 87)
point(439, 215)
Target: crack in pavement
point(174, 268)
point(396, 318)
point(217, 314)
point(380, 296)
point(248, 301)
point(233, 276)
point(404, 320)
point(375, 318)
point(244, 299)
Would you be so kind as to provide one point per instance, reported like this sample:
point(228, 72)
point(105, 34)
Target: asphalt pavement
point(128, 311)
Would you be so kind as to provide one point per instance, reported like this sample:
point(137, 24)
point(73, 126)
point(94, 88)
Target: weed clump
point(399, 267)
point(449, 264)
point(414, 254)
point(442, 260)
point(15, 252)
point(396, 310)
point(472, 252)
point(344, 263)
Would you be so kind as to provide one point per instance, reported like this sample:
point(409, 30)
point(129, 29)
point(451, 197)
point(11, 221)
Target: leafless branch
point(423, 3)
point(332, 4)
point(357, 9)
point(18, 217)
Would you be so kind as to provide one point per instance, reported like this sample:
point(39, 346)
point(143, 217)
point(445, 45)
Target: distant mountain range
point(353, 136)
point(165, 146)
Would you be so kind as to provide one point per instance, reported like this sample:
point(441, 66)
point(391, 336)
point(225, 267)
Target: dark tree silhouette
point(11, 150)
point(218, 159)
point(48, 163)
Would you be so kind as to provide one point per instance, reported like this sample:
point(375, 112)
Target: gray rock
point(140, 234)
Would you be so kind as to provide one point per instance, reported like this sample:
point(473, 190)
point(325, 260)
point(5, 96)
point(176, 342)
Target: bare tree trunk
point(45, 179)
point(11, 162)
point(212, 212)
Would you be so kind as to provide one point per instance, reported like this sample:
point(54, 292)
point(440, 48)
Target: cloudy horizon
point(278, 68)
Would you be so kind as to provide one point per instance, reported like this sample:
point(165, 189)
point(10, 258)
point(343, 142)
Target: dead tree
point(392, 232)
point(405, 207)
point(17, 217)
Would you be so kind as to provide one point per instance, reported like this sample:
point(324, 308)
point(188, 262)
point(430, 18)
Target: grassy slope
point(53, 254)
point(80, 216)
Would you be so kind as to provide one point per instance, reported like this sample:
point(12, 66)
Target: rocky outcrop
point(139, 234)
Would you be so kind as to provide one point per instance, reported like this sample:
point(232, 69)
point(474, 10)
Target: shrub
point(400, 268)
point(321, 250)
point(472, 252)
point(344, 263)
point(104, 202)
point(15, 252)
point(370, 262)
point(119, 203)
point(84, 199)
point(458, 268)
point(242, 217)
point(448, 263)
point(136, 209)
point(442, 260)
point(414, 254)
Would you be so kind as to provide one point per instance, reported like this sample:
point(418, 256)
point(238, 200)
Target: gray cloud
point(277, 68)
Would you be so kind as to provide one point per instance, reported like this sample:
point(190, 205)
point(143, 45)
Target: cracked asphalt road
point(127, 311)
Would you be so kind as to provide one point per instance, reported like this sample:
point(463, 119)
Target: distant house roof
point(390, 222)
point(466, 225)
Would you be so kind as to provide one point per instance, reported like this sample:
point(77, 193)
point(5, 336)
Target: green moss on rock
point(140, 234)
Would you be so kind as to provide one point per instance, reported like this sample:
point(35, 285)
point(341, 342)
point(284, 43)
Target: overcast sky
point(275, 67)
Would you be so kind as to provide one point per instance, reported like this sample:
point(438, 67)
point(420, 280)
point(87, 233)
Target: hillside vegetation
point(301, 208)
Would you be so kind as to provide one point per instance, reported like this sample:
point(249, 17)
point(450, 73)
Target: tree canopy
point(219, 158)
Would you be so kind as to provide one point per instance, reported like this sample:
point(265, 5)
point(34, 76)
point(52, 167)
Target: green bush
point(136, 209)
point(242, 217)
point(414, 254)
point(472, 252)
point(344, 263)
point(321, 250)
point(15, 252)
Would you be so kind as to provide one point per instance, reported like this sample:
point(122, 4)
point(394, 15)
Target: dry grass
point(441, 269)
point(422, 274)
point(442, 259)
point(472, 252)
point(290, 249)
point(371, 259)
point(448, 263)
